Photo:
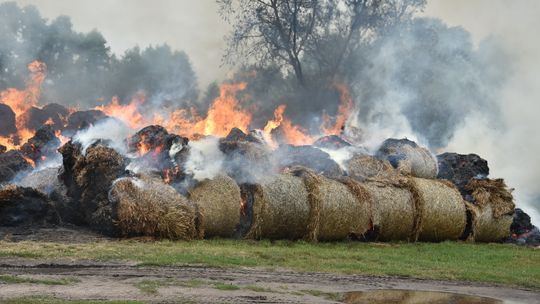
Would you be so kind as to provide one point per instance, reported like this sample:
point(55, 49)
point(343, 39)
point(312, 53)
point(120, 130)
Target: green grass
point(10, 279)
point(492, 263)
point(50, 300)
point(225, 286)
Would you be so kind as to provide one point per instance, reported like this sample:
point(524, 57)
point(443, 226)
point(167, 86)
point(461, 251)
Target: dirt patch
point(121, 281)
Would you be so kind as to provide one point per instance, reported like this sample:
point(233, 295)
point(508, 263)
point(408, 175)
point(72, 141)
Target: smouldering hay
point(281, 208)
point(492, 213)
point(409, 158)
point(219, 202)
point(362, 167)
point(149, 207)
point(393, 209)
point(485, 227)
point(492, 192)
point(441, 210)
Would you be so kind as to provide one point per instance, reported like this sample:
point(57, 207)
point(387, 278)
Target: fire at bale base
point(219, 202)
point(147, 207)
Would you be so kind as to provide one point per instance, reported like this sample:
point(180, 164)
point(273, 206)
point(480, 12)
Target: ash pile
point(80, 171)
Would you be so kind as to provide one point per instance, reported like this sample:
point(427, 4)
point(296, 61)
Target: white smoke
point(511, 146)
point(111, 130)
point(205, 158)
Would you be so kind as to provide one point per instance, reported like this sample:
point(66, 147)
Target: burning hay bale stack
point(145, 206)
point(492, 210)
point(51, 114)
point(219, 202)
point(43, 144)
point(408, 158)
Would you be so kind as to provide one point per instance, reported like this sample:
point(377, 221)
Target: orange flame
point(21, 101)
point(128, 113)
point(293, 133)
point(344, 111)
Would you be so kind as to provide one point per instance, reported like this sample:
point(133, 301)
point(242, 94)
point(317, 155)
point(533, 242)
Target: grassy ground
point(493, 263)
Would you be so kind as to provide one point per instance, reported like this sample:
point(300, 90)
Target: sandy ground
point(120, 280)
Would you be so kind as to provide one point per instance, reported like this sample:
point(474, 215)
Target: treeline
point(81, 69)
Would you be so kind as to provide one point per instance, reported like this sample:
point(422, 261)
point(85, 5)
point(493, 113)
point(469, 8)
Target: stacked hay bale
point(88, 178)
point(339, 209)
point(280, 208)
point(393, 210)
point(320, 162)
point(492, 210)
point(362, 167)
point(219, 203)
point(146, 206)
point(408, 158)
point(440, 210)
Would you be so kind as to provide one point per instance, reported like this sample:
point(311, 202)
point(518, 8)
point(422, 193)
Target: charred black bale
point(461, 168)
point(521, 223)
point(84, 119)
point(23, 206)
point(3, 149)
point(11, 163)
point(287, 156)
point(44, 143)
point(53, 113)
point(88, 178)
point(7, 120)
point(333, 142)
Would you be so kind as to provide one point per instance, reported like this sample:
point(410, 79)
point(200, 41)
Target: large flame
point(129, 113)
point(21, 101)
point(293, 134)
point(344, 111)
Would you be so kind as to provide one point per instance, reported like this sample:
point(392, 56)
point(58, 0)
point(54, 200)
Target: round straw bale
point(441, 210)
point(148, 207)
point(281, 209)
point(492, 192)
point(486, 227)
point(362, 167)
point(219, 202)
point(393, 210)
point(409, 158)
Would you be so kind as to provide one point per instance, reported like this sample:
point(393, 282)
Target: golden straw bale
point(362, 167)
point(219, 201)
point(281, 208)
point(148, 207)
point(393, 209)
point(409, 158)
point(486, 227)
point(441, 209)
